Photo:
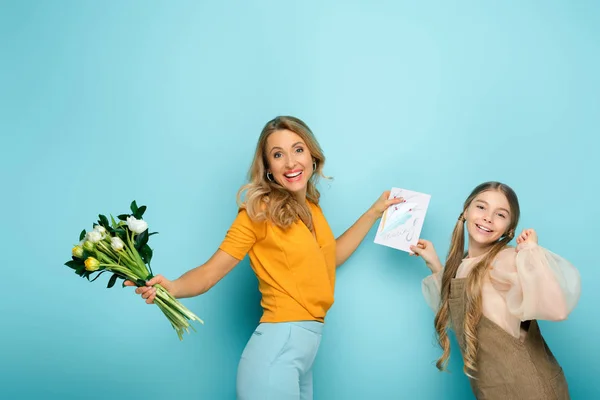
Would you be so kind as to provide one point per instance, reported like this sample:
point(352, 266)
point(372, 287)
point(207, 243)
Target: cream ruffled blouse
point(523, 283)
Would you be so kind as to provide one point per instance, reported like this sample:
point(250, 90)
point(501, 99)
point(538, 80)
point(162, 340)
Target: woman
point(294, 255)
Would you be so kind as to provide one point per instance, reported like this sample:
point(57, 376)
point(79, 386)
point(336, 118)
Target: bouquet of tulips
point(121, 248)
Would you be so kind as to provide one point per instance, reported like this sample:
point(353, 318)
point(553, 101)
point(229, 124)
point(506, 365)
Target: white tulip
point(116, 243)
point(94, 236)
point(136, 225)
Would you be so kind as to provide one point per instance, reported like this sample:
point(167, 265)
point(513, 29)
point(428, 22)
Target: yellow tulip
point(77, 251)
point(91, 264)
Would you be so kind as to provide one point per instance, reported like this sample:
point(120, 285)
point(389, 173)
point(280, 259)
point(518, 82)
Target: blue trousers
point(277, 361)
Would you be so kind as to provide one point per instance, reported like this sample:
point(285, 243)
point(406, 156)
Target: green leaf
point(153, 233)
point(134, 207)
point(141, 240)
point(80, 270)
point(82, 235)
point(123, 217)
point(97, 276)
point(74, 264)
point(140, 212)
point(103, 221)
point(114, 223)
point(112, 281)
point(146, 254)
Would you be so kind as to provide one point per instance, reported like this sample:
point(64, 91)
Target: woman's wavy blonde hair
point(264, 199)
point(474, 280)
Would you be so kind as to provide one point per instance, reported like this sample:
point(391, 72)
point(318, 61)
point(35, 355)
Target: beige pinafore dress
point(508, 368)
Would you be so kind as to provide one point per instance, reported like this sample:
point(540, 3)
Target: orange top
point(295, 269)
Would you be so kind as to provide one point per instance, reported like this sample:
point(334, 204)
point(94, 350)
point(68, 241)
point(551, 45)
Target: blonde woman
point(492, 294)
point(294, 255)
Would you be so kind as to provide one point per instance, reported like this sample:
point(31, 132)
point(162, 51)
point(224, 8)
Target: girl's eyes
point(501, 215)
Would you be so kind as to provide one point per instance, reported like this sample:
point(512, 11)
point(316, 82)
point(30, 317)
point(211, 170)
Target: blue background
point(105, 102)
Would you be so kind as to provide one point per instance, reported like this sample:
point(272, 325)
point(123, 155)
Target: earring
point(314, 165)
point(461, 218)
point(269, 177)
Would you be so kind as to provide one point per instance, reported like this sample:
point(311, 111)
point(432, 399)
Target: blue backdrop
point(105, 102)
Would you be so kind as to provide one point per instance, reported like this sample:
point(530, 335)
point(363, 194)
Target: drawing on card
point(401, 224)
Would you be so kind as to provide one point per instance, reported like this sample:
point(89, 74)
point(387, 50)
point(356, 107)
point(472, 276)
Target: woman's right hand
point(148, 292)
point(426, 251)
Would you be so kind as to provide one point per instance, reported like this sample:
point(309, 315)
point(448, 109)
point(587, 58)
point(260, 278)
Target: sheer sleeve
point(432, 288)
point(536, 283)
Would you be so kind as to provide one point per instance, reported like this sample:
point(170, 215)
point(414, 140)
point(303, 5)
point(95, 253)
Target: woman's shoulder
point(247, 217)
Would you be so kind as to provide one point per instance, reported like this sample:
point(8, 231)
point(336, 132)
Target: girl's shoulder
point(505, 257)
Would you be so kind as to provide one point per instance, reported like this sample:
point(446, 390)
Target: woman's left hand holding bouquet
point(194, 282)
point(148, 292)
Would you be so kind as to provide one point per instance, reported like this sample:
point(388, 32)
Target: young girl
point(294, 255)
point(492, 296)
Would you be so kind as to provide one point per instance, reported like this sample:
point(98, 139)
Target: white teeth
point(293, 175)
point(484, 228)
